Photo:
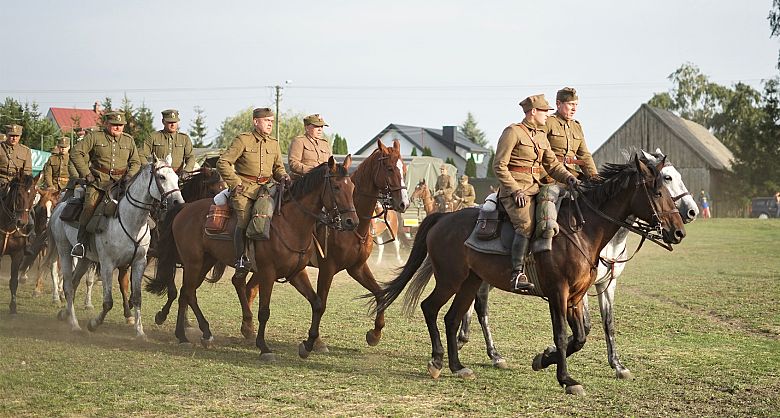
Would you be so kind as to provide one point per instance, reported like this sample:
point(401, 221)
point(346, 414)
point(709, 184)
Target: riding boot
point(519, 283)
point(242, 262)
point(80, 249)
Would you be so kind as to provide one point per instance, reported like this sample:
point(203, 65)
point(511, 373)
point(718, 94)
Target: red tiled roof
point(65, 118)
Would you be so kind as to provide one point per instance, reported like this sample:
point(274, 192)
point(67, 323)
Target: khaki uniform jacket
point(14, 159)
point(443, 183)
point(567, 140)
point(56, 172)
point(251, 154)
point(466, 193)
point(101, 149)
point(306, 153)
point(177, 144)
point(527, 147)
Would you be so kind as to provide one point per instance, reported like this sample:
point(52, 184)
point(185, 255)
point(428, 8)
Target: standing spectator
point(777, 205)
point(705, 205)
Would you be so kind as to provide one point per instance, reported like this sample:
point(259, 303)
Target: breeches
point(91, 199)
point(522, 218)
point(242, 206)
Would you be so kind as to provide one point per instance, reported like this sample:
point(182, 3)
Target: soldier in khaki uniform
point(2, 138)
point(309, 150)
point(566, 138)
point(522, 155)
point(170, 141)
point(252, 159)
point(15, 158)
point(442, 191)
point(102, 158)
point(465, 192)
point(55, 171)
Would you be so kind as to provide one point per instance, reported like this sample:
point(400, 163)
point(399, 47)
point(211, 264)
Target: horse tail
point(421, 278)
point(390, 291)
point(167, 255)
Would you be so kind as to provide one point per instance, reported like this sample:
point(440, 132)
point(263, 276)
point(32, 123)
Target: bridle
point(13, 215)
point(330, 216)
point(385, 195)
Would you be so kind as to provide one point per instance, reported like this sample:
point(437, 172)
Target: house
point(702, 160)
point(444, 143)
point(68, 118)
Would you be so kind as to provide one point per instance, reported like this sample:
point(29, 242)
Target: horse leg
point(606, 292)
point(71, 279)
point(162, 314)
point(481, 306)
point(190, 290)
point(397, 244)
point(124, 284)
point(106, 271)
point(247, 329)
point(430, 307)
point(452, 319)
point(263, 313)
point(558, 315)
point(139, 265)
point(365, 277)
point(465, 327)
point(217, 271)
point(301, 283)
point(90, 282)
point(13, 283)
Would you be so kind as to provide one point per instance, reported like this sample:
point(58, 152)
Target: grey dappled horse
point(124, 241)
point(614, 256)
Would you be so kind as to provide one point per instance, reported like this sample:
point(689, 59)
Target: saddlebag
point(217, 218)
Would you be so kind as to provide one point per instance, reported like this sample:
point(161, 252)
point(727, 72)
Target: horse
point(422, 193)
point(564, 274)
point(284, 255)
point(385, 230)
point(613, 258)
point(46, 199)
point(14, 218)
point(379, 177)
point(124, 241)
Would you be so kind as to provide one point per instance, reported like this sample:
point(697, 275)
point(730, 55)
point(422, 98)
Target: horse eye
point(667, 178)
point(161, 177)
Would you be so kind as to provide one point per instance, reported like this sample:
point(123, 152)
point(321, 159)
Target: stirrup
point(242, 266)
point(78, 250)
point(520, 283)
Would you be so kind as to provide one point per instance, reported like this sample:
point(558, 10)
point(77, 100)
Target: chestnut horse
point(564, 274)
point(384, 229)
point(14, 217)
point(422, 192)
point(284, 255)
point(379, 177)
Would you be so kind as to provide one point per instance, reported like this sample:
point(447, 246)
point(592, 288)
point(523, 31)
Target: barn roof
point(697, 137)
point(65, 117)
point(419, 135)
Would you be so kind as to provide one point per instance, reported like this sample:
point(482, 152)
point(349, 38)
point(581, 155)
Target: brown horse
point(14, 218)
point(285, 254)
point(422, 192)
point(384, 229)
point(564, 274)
point(379, 177)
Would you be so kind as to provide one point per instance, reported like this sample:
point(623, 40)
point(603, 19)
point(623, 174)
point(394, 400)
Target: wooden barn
point(701, 159)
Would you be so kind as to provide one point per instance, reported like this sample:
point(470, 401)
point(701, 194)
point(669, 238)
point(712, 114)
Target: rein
point(328, 219)
point(12, 217)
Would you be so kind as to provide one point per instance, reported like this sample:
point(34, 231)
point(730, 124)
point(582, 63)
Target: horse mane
point(611, 180)
point(314, 179)
point(362, 170)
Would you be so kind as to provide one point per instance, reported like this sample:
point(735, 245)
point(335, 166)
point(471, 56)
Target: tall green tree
point(469, 128)
point(340, 145)
point(490, 172)
point(414, 152)
point(144, 124)
point(38, 132)
point(774, 23)
point(198, 128)
point(426, 152)
point(693, 96)
point(471, 167)
point(449, 160)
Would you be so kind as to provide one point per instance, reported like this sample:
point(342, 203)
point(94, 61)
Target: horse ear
point(331, 163)
point(348, 161)
point(661, 163)
point(397, 146)
point(381, 146)
point(169, 159)
point(647, 156)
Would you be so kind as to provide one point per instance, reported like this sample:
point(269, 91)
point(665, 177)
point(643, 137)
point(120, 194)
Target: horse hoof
point(12, 308)
point(320, 346)
point(62, 315)
point(207, 342)
point(159, 318)
point(302, 351)
point(464, 373)
point(461, 343)
point(433, 370)
point(247, 331)
point(130, 320)
point(141, 337)
point(92, 325)
point(624, 374)
point(268, 357)
point(37, 293)
point(500, 364)
point(536, 365)
point(75, 328)
point(89, 307)
point(373, 338)
point(575, 390)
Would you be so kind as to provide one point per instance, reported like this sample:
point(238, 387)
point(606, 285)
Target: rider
point(522, 155)
point(2, 138)
point(566, 138)
point(250, 160)
point(309, 150)
point(169, 141)
point(443, 189)
point(55, 171)
point(15, 159)
point(465, 192)
point(102, 158)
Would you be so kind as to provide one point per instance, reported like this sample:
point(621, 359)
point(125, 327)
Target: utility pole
point(276, 121)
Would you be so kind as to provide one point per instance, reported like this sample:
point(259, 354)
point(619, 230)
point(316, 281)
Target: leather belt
point(528, 170)
point(110, 171)
point(257, 179)
point(570, 160)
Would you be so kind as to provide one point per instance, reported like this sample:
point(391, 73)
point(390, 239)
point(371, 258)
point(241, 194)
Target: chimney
point(449, 135)
point(96, 108)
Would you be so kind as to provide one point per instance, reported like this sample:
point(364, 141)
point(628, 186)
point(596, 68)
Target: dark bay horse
point(14, 217)
point(284, 255)
point(379, 177)
point(564, 274)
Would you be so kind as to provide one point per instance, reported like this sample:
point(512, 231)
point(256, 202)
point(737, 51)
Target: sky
point(363, 64)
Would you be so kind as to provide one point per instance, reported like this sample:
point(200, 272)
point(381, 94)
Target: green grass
point(698, 327)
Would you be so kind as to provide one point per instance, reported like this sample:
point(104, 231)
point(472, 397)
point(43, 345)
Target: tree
point(693, 97)
point(469, 128)
point(426, 152)
point(490, 172)
point(290, 126)
point(774, 23)
point(39, 133)
point(449, 160)
point(198, 128)
point(471, 167)
point(414, 152)
point(340, 145)
point(144, 124)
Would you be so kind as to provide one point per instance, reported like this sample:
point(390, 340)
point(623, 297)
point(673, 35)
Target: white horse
point(123, 242)
point(614, 256)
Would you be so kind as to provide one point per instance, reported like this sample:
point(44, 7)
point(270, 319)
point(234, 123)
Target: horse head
point(166, 181)
point(674, 183)
point(653, 203)
point(19, 199)
point(389, 176)
point(327, 188)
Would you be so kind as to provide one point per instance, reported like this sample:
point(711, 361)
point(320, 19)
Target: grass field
point(698, 327)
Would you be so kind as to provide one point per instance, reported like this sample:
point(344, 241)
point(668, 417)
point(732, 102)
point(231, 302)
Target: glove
point(238, 189)
point(519, 198)
point(286, 180)
point(185, 175)
point(572, 182)
point(89, 178)
point(126, 178)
